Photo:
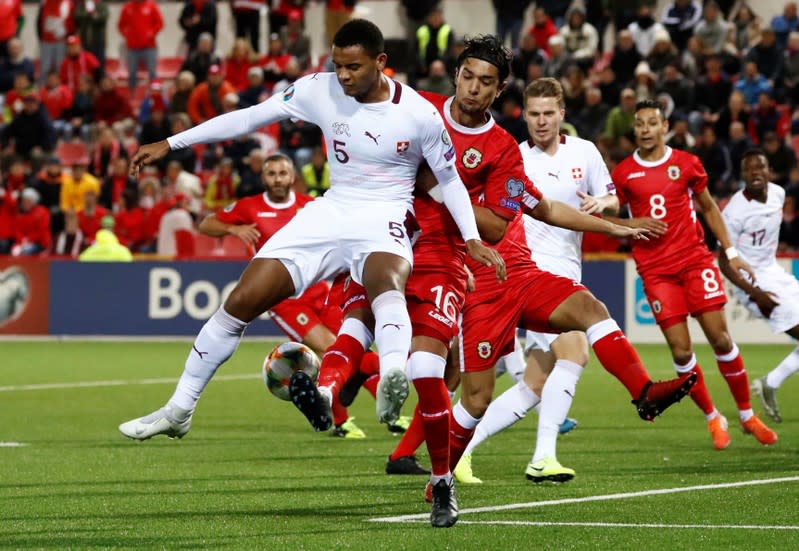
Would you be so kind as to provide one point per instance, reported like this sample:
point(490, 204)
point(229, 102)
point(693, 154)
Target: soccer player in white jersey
point(570, 170)
point(377, 133)
point(753, 217)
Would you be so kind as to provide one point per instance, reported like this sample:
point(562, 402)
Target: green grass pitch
point(252, 475)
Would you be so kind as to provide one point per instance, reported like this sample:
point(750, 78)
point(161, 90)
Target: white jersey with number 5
point(754, 228)
point(373, 149)
point(576, 166)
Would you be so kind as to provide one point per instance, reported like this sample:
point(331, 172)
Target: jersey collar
point(666, 156)
point(465, 129)
point(280, 206)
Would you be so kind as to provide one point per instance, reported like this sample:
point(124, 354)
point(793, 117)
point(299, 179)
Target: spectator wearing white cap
point(31, 225)
point(582, 38)
point(559, 57)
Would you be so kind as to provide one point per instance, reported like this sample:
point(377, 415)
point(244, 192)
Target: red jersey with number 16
point(664, 190)
point(267, 216)
point(491, 167)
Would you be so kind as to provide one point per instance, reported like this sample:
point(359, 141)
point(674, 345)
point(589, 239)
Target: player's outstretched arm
point(492, 227)
point(716, 224)
point(657, 228)
point(766, 301)
point(562, 215)
point(214, 227)
point(605, 205)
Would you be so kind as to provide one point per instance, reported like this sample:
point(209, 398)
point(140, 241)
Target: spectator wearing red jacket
point(31, 225)
point(10, 17)
point(8, 210)
point(57, 99)
point(55, 22)
point(110, 105)
point(90, 217)
point(139, 23)
point(238, 63)
point(206, 100)
point(76, 63)
point(543, 28)
point(130, 221)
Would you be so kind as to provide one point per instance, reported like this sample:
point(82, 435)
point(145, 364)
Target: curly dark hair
point(489, 48)
point(360, 32)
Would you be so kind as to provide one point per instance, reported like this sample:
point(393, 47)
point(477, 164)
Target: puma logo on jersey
point(639, 174)
point(554, 175)
point(369, 135)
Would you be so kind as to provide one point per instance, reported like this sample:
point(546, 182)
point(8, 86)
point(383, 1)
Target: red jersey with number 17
point(267, 215)
point(491, 167)
point(664, 190)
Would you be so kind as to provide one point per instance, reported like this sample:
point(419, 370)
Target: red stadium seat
point(70, 153)
point(168, 67)
point(184, 244)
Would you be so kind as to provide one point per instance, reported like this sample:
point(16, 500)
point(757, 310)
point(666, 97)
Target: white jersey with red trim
point(576, 166)
point(754, 227)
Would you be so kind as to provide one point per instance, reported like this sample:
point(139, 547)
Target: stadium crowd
point(727, 76)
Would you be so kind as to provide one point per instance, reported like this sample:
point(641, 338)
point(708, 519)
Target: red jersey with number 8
point(664, 190)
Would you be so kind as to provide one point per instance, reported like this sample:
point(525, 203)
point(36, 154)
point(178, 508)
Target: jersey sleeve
point(508, 186)
point(599, 181)
point(732, 220)
point(235, 213)
point(437, 147)
point(299, 101)
point(697, 181)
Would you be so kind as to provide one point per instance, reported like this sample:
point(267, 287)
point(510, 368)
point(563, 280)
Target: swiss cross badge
point(577, 173)
point(402, 147)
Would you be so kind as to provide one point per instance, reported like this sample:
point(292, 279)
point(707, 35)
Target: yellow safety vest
point(442, 38)
point(316, 188)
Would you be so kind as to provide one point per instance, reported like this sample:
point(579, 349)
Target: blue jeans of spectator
point(50, 56)
point(512, 26)
point(144, 56)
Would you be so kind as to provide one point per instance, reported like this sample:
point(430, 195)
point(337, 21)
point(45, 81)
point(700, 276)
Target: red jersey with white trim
point(491, 167)
point(267, 216)
point(664, 190)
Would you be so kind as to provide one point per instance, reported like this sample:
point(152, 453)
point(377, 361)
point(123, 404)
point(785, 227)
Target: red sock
point(412, 439)
point(370, 364)
point(620, 359)
point(371, 385)
point(699, 393)
point(340, 413)
point(340, 362)
point(731, 366)
point(434, 406)
point(459, 437)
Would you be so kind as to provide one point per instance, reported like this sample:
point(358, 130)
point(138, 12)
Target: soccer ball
point(283, 361)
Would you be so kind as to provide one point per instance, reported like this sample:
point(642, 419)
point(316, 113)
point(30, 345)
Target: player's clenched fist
point(488, 256)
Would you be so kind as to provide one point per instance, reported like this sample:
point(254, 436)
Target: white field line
point(606, 497)
point(632, 525)
point(120, 382)
point(12, 444)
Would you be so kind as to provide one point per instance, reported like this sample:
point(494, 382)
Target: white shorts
point(775, 279)
point(539, 341)
point(326, 238)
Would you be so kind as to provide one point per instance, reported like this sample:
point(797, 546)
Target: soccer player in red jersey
point(307, 318)
point(677, 269)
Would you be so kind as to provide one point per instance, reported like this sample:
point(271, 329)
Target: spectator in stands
point(627, 12)
point(275, 60)
point(57, 100)
point(31, 225)
point(197, 17)
point(590, 120)
point(625, 56)
point(509, 19)
point(177, 180)
point(752, 83)
point(54, 23)
point(110, 106)
point(139, 23)
point(156, 127)
point(70, 241)
point(8, 210)
point(316, 174)
point(76, 185)
point(574, 85)
point(250, 182)
point(663, 53)
point(11, 20)
point(767, 117)
point(116, 184)
point(644, 82)
point(785, 23)
point(247, 18)
point(296, 40)
point(680, 18)
point(201, 59)
point(681, 90)
point(433, 41)
point(337, 12)
point(556, 9)
point(528, 52)
point(238, 63)
point(559, 57)
point(176, 218)
point(609, 86)
point(788, 83)
point(205, 101)
point(130, 220)
point(645, 30)
point(77, 62)
point(184, 84)
point(581, 37)
point(437, 80)
point(255, 92)
point(781, 158)
point(297, 140)
point(91, 19)
point(14, 63)
point(186, 157)
point(736, 110)
point(90, 216)
point(14, 97)
point(543, 28)
point(715, 158)
point(30, 132)
point(712, 89)
point(16, 177)
point(767, 56)
point(622, 116)
point(692, 59)
point(106, 247)
point(291, 72)
point(712, 30)
point(789, 229)
point(155, 96)
point(221, 188)
point(81, 112)
point(737, 144)
point(48, 183)
point(747, 27)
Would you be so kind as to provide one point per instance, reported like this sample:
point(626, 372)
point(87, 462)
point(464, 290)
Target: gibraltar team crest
point(484, 349)
point(673, 172)
point(472, 158)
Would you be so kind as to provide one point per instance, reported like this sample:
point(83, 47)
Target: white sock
point(785, 369)
point(511, 406)
point(556, 400)
point(392, 330)
point(216, 342)
point(513, 363)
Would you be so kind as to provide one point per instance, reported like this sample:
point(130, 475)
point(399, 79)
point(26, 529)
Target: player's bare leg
point(582, 311)
point(766, 387)
point(477, 389)
point(731, 365)
point(264, 283)
point(384, 278)
point(679, 340)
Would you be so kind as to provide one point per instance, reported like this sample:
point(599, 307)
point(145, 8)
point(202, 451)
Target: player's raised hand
point(488, 256)
point(765, 301)
point(741, 265)
point(147, 154)
point(247, 233)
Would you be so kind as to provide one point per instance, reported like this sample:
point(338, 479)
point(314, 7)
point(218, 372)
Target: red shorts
point(694, 290)
point(347, 295)
point(490, 318)
point(296, 316)
point(435, 300)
